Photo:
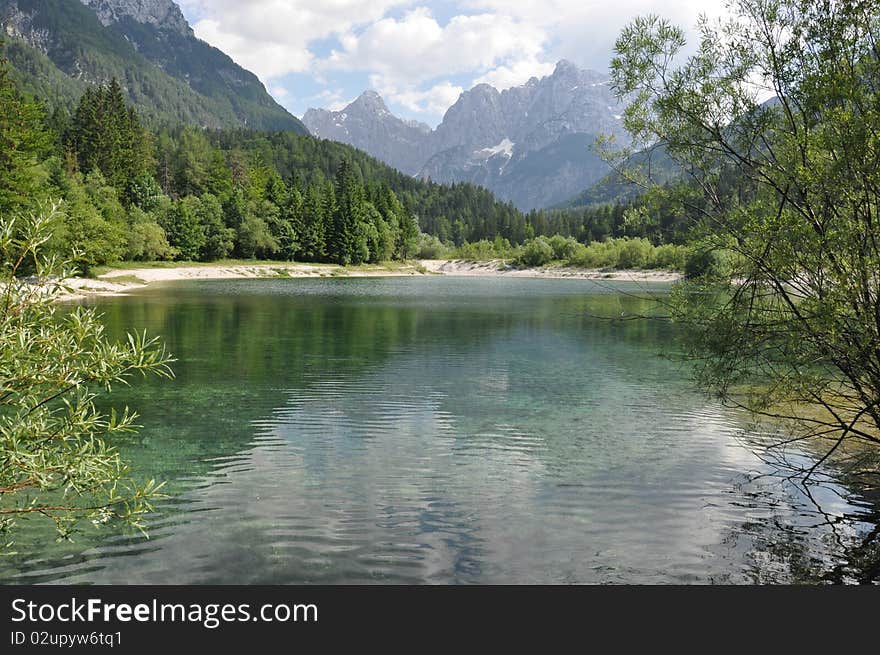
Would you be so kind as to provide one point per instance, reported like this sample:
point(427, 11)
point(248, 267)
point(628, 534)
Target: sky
point(418, 54)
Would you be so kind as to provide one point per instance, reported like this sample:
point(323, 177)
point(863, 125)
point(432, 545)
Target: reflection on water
point(437, 430)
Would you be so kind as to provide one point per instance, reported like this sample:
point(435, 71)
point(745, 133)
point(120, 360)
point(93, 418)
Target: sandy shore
point(500, 268)
point(124, 280)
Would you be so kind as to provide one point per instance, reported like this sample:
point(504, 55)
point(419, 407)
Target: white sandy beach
point(499, 268)
point(121, 281)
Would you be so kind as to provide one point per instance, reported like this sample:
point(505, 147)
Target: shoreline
point(121, 281)
point(498, 268)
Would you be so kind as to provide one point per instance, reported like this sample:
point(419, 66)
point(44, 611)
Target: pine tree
point(22, 140)
point(107, 135)
point(292, 227)
point(312, 240)
point(347, 242)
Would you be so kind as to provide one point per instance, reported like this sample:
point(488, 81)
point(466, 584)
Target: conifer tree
point(108, 136)
point(347, 239)
point(22, 140)
point(312, 239)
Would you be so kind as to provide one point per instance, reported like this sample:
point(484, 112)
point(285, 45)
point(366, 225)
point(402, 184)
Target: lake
point(438, 430)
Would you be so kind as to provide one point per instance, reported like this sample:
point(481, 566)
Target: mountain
point(367, 124)
point(654, 162)
point(614, 188)
point(58, 47)
point(161, 14)
point(529, 144)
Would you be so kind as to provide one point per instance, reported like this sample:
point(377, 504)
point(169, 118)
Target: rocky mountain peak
point(163, 14)
point(529, 144)
point(367, 124)
point(481, 93)
point(567, 72)
point(565, 67)
point(370, 102)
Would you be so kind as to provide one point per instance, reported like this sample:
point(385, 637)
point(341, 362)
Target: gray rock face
point(478, 118)
point(163, 14)
point(367, 124)
point(529, 144)
point(21, 25)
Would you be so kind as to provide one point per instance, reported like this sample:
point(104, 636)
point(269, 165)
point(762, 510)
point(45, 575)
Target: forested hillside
point(131, 193)
point(131, 190)
point(58, 47)
point(198, 128)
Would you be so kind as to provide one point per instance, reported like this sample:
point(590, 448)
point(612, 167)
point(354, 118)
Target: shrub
point(59, 463)
point(430, 247)
point(708, 262)
point(670, 257)
point(563, 247)
point(147, 242)
point(536, 252)
point(479, 250)
point(634, 253)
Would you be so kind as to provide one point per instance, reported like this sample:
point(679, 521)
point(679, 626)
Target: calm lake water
point(437, 430)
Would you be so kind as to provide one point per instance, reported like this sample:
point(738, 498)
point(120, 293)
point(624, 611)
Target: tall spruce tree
point(107, 135)
point(347, 241)
point(312, 239)
point(22, 140)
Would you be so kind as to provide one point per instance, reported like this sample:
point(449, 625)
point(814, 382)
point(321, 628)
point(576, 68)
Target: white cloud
point(410, 59)
point(416, 48)
point(272, 37)
point(278, 91)
point(265, 58)
point(433, 101)
point(334, 99)
point(515, 74)
point(584, 31)
point(415, 60)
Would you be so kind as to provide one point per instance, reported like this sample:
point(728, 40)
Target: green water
point(439, 430)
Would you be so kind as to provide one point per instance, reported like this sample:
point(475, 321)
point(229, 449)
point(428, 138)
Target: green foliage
point(106, 135)
point(144, 192)
point(185, 233)
point(147, 240)
point(599, 254)
point(536, 252)
point(312, 238)
point(635, 253)
point(430, 247)
point(407, 241)
point(208, 215)
point(380, 236)
point(169, 78)
point(483, 250)
point(22, 141)
point(57, 462)
point(563, 247)
point(194, 164)
point(670, 257)
point(706, 261)
point(624, 253)
point(92, 229)
point(254, 239)
point(782, 305)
